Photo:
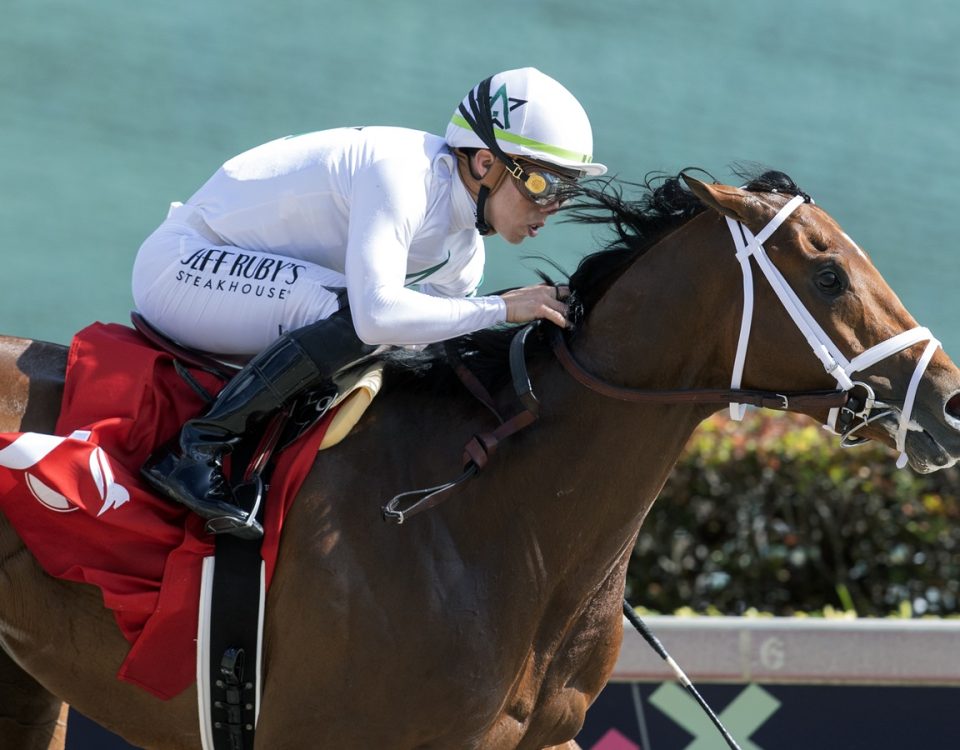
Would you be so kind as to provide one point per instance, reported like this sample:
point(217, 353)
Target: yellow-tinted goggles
point(541, 185)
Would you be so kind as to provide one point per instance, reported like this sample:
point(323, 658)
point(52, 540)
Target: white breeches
point(223, 299)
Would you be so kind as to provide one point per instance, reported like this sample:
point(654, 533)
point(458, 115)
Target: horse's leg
point(31, 718)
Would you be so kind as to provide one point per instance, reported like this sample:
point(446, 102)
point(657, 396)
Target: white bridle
point(834, 362)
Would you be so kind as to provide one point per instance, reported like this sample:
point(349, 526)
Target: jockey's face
point(513, 215)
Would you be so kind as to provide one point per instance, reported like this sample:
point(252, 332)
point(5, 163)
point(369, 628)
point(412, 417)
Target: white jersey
point(376, 210)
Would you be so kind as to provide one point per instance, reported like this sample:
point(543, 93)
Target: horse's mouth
point(924, 453)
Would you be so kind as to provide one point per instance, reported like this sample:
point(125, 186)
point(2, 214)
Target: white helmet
point(528, 114)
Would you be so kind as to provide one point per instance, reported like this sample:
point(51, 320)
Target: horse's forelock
point(759, 180)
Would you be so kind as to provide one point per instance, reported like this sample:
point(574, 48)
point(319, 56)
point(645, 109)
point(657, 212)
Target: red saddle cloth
point(77, 500)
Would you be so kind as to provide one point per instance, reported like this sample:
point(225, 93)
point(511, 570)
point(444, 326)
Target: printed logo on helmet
point(506, 106)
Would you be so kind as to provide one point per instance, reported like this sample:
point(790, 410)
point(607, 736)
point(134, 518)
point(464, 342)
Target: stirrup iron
point(248, 494)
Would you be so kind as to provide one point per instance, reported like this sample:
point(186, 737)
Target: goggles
point(541, 185)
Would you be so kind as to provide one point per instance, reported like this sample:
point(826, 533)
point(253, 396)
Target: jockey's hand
point(540, 301)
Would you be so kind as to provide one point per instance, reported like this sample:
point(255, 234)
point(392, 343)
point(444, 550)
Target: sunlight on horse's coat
point(855, 245)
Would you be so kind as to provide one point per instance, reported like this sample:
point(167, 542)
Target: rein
point(799, 400)
point(843, 409)
point(481, 447)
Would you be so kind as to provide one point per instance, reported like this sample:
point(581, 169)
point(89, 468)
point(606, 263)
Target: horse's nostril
point(953, 406)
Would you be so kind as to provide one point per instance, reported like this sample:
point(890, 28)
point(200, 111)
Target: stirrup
point(246, 527)
point(249, 529)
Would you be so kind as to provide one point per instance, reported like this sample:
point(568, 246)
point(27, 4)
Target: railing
point(779, 650)
point(784, 684)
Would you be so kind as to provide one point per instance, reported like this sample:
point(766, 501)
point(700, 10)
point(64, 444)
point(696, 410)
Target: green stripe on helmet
point(519, 140)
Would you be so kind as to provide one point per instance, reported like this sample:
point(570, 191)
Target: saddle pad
point(77, 501)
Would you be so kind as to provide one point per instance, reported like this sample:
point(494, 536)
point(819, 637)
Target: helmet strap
point(483, 227)
point(480, 187)
point(492, 180)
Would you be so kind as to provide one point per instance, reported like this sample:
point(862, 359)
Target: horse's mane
point(662, 205)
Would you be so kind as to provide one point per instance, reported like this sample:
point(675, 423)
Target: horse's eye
point(830, 280)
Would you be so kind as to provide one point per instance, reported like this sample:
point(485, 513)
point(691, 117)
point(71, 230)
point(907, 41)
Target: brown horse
point(495, 619)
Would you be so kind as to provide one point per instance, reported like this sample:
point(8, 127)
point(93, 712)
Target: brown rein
point(799, 400)
point(481, 446)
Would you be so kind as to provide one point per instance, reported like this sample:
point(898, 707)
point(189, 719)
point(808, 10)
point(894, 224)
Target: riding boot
point(191, 472)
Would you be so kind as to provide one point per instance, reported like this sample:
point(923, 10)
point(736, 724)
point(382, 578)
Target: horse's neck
point(595, 465)
point(670, 320)
point(31, 384)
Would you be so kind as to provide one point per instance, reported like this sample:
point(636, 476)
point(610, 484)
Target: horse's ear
point(730, 201)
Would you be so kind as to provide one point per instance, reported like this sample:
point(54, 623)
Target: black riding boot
point(191, 472)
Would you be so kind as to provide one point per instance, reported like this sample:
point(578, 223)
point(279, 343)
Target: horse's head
point(835, 322)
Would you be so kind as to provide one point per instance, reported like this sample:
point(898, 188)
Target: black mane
point(662, 205)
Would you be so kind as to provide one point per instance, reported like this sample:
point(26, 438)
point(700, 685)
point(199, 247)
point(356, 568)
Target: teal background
point(110, 109)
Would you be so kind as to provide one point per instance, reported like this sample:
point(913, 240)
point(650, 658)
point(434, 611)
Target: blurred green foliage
point(772, 515)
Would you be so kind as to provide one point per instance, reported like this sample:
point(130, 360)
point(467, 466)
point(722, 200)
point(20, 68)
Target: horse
point(494, 620)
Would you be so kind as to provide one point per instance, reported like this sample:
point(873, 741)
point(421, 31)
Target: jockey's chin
point(514, 217)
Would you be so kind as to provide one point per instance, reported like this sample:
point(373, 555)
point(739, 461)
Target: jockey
point(302, 254)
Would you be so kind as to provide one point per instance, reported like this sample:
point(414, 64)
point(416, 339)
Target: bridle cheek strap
point(834, 362)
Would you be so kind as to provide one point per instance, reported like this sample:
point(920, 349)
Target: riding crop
point(650, 638)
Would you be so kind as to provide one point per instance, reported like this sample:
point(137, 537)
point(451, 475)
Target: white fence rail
point(796, 650)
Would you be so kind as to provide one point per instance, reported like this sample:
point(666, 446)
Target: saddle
point(357, 388)
point(221, 367)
